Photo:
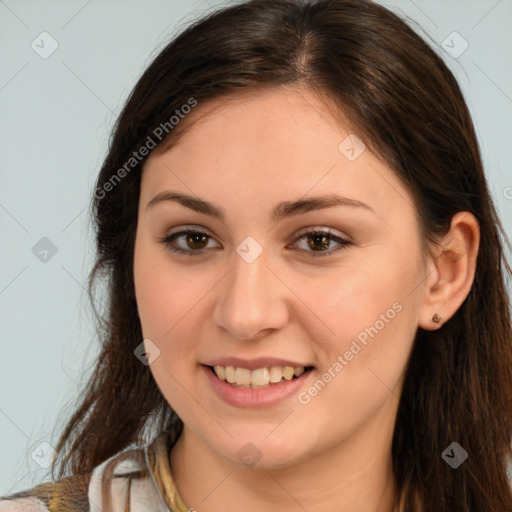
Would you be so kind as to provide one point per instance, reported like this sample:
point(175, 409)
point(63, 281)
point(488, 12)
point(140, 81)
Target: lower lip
point(255, 398)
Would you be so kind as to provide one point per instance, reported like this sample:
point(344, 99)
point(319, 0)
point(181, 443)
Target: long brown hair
point(407, 107)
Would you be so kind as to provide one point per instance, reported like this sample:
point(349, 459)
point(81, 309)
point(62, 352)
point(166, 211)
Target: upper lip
point(253, 364)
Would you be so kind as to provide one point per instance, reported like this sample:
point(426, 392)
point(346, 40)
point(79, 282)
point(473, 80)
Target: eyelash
point(167, 240)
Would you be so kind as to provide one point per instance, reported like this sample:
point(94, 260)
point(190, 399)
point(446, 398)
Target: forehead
point(272, 143)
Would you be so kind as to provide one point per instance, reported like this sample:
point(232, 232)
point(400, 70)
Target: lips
point(256, 396)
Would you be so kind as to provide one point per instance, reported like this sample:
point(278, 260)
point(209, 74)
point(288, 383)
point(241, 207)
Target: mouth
point(258, 378)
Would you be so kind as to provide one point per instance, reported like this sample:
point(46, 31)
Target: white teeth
point(221, 372)
point(276, 374)
point(243, 376)
point(298, 371)
point(230, 374)
point(260, 377)
point(288, 372)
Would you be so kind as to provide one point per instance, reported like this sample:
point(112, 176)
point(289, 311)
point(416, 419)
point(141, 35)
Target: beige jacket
point(134, 480)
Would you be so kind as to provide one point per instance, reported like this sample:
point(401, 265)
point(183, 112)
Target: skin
point(249, 153)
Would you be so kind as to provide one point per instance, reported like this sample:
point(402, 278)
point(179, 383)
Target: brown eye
point(196, 240)
point(319, 241)
point(193, 242)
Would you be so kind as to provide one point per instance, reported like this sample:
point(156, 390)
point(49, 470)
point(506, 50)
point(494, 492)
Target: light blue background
point(56, 117)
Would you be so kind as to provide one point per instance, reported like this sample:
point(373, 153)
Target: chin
point(260, 453)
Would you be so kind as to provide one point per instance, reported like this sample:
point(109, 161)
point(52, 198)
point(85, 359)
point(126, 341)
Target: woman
point(307, 304)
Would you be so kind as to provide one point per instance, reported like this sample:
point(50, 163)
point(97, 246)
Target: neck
point(353, 476)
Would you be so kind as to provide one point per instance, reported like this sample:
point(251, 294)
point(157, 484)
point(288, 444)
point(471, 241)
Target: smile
point(259, 377)
point(254, 388)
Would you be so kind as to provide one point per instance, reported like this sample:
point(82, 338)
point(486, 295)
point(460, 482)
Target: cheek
point(363, 364)
point(362, 294)
point(169, 300)
point(372, 319)
point(164, 314)
point(163, 294)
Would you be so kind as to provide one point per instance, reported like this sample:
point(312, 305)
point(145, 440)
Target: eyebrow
point(280, 211)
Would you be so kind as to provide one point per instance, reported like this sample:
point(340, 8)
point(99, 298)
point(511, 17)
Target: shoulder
point(122, 479)
point(31, 500)
point(70, 494)
point(27, 504)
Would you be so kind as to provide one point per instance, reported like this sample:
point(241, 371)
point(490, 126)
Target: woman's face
point(256, 290)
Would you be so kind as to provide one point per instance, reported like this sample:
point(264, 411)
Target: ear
point(450, 271)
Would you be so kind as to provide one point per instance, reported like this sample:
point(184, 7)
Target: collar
point(159, 464)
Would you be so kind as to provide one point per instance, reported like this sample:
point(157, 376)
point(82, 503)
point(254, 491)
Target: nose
point(252, 300)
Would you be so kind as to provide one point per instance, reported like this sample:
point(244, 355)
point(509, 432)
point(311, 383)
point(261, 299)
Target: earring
point(436, 318)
